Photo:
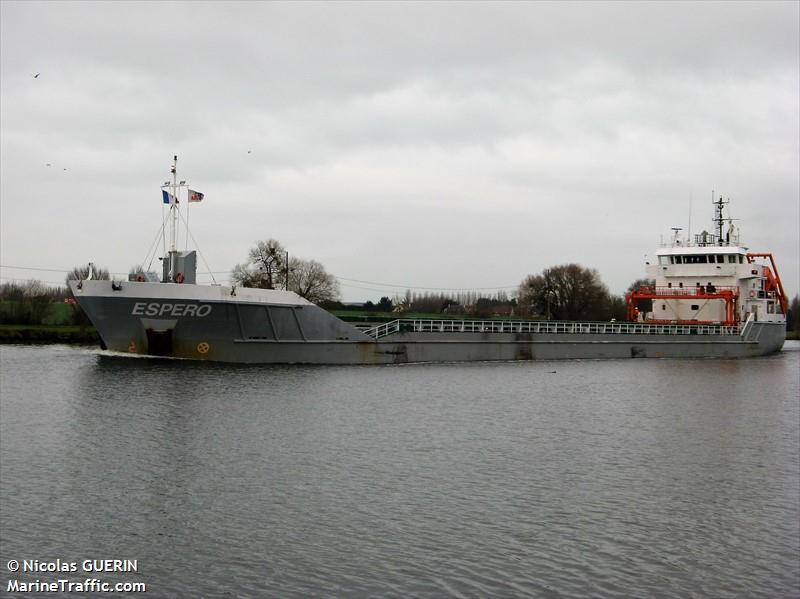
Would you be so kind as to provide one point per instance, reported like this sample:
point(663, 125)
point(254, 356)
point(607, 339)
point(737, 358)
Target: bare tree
point(264, 264)
point(81, 273)
point(309, 279)
point(26, 303)
point(567, 292)
point(430, 303)
point(138, 273)
point(385, 304)
point(245, 275)
point(266, 268)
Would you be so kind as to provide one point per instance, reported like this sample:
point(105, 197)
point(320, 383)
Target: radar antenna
point(720, 220)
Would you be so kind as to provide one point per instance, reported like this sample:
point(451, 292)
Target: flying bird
point(48, 164)
point(36, 76)
point(249, 151)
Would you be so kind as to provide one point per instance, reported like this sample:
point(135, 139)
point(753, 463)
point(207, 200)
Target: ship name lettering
point(159, 309)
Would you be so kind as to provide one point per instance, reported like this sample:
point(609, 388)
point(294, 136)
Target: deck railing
point(700, 291)
point(408, 325)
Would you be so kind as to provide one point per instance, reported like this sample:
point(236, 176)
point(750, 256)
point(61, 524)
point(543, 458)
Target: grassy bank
point(14, 333)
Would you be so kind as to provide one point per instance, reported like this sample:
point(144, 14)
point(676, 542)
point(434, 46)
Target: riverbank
point(12, 333)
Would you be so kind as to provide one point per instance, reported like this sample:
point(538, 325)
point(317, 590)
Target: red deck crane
point(772, 284)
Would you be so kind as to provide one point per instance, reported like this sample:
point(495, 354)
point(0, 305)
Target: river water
point(647, 478)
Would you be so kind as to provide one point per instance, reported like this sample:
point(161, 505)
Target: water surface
point(668, 478)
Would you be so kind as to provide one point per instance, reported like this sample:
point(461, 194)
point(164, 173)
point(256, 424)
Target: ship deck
point(409, 325)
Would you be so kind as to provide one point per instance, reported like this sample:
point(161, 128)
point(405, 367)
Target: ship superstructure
point(711, 279)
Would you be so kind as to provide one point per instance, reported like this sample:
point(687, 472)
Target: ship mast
point(719, 218)
point(172, 255)
point(173, 232)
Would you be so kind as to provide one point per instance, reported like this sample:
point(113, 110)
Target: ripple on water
point(621, 478)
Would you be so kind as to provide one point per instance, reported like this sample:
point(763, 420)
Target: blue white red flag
point(195, 196)
point(168, 197)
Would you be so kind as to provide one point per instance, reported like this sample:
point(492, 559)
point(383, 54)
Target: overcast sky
point(403, 145)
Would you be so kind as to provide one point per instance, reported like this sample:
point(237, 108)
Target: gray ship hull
point(275, 327)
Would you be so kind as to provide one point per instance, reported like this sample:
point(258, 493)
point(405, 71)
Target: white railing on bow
point(408, 325)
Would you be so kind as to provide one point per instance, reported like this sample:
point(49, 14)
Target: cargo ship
point(710, 297)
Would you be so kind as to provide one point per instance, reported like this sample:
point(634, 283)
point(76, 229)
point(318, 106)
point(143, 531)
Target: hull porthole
point(202, 348)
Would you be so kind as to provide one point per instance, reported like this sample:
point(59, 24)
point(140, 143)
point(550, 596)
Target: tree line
point(567, 292)
point(564, 292)
point(466, 302)
point(32, 302)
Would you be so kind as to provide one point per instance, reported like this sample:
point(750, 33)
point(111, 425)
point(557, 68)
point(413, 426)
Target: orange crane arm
point(773, 278)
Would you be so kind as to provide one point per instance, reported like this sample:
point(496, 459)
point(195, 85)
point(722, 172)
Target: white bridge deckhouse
point(712, 278)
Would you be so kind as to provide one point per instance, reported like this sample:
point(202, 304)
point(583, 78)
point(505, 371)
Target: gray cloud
point(440, 144)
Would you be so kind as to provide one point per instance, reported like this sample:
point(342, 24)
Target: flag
point(168, 197)
point(195, 196)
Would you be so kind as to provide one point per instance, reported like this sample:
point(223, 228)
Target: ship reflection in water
point(667, 478)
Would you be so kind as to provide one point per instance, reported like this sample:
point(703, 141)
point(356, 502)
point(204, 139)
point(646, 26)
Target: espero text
point(158, 309)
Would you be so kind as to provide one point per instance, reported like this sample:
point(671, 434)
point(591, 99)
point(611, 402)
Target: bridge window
point(741, 260)
point(663, 260)
point(720, 258)
point(732, 259)
point(698, 259)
